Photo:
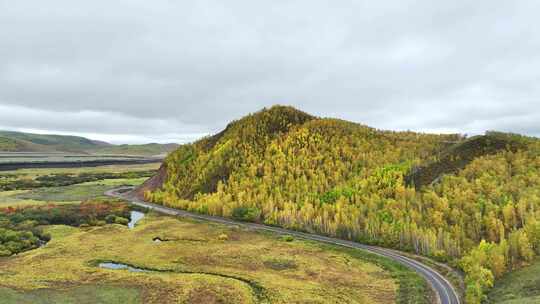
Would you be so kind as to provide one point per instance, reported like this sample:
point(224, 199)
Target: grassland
point(519, 287)
point(42, 142)
point(8, 144)
point(67, 194)
point(195, 265)
point(79, 192)
point(81, 295)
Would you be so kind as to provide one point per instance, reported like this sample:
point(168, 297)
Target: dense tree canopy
point(283, 167)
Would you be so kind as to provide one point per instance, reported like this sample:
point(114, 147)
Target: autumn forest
point(471, 202)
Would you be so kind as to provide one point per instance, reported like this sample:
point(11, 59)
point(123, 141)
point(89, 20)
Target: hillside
point(459, 155)
point(8, 144)
point(473, 203)
point(519, 287)
point(27, 142)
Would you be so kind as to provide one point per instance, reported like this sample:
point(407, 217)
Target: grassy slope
point(9, 144)
point(54, 142)
point(519, 287)
point(28, 142)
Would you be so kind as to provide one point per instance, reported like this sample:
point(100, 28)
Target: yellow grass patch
point(192, 264)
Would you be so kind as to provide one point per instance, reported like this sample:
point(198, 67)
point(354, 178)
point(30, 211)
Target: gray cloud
point(150, 68)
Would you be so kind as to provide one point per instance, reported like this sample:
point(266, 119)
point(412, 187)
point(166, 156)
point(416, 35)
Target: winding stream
point(118, 266)
point(258, 291)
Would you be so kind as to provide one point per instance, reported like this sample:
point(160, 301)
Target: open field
point(87, 294)
point(519, 287)
point(70, 193)
point(195, 263)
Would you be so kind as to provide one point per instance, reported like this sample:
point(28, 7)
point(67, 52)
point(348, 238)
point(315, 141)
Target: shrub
point(246, 214)
point(121, 220)
point(20, 227)
point(287, 238)
point(223, 237)
point(110, 218)
point(15, 246)
point(4, 252)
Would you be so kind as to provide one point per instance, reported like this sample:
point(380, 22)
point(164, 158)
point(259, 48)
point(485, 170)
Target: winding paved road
point(445, 292)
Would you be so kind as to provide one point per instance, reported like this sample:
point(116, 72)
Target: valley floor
point(195, 262)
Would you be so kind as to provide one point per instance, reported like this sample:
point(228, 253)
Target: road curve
point(445, 292)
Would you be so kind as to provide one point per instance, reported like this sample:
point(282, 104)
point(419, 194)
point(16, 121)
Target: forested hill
point(472, 202)
point(283, 140)
point(11, 141)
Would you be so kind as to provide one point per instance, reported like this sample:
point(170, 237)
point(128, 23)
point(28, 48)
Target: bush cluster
point(21, 229)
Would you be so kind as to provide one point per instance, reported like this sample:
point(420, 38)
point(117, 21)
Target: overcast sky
point(138, 70)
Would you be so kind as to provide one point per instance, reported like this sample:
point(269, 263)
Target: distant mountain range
point(11, 141)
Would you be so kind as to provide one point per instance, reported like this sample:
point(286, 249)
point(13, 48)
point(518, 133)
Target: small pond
point(118, 266)
point(135, 217)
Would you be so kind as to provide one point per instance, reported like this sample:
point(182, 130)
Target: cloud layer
point(160, 68)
